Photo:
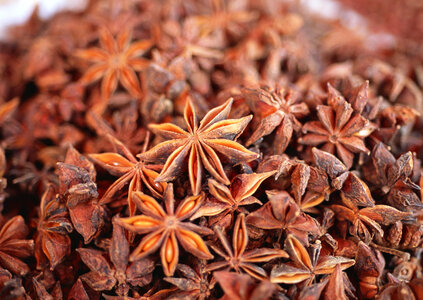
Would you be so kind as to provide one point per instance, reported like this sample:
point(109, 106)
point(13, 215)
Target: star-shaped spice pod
point(116, 61)
point(237, 258)
point(284, 214)
point(306, 266)
point(277, 111)
point(338, 128)
point(201, 143)
point(392, 178)
point(121, 274)
point(130, 170)
point(166, 228)
point(52, 241)
point(196, 284)
point(358, 207)
point(224, 201)
point(13, 246)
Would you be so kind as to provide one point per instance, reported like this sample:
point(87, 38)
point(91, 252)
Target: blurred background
point(401, 18)
point(14, 12)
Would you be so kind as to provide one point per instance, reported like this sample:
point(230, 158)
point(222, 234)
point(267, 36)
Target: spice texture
point(211, 149)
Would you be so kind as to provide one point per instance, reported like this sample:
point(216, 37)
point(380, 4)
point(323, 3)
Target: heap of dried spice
point(240, 149)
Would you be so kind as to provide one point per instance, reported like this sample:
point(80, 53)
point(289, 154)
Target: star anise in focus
point(166, 228)
point(242, 287)
point(14, 247)
point(397, 289)
point(116, 61)
point(278, 110)
point(391, 178)
point(306, 264)
point(405, 281)
point(200, 143)
point(369, 268)
point(338, 128)
point(52, 241)
point(310, 187)
point(401, 235)
point(367, 221)
point(339, 286)
point(42, 293)
point(78, 189)
point(120, 274)
point(237, 258)
point(197, 284)
point(80, 292)
point(224, 201)
point(282, 213)
point(130, 170)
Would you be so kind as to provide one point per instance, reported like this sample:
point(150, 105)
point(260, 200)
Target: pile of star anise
point(184, 149)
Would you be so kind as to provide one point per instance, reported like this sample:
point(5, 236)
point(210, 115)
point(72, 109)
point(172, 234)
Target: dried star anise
point(14, 247)
point(196, 283)
point(242, 287)
point(116, 61)
point(391, 178)
point(226, 201)
point(105, 276)
point(212, 149)
point(338, 128)
point(276, 110)
point(166, 228)
point(130, 171)
point(77, 187)
point(283, 213)
point(214, 134)
point(237, 258)
point(52, 242)
point(310, 186)
point(307, 264)
point(369, 267)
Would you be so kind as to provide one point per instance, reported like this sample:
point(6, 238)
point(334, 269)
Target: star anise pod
point(52, 242)
point(116, 61)
point(78, 189)
point(339, 286)
point(306, 265)
point(365, 221)
point(369, 267)
point(391, 178)
point(130, 170)
point(282, 213)
point(42, 293)
point(166, 228)
point(277, 110)
point(123, 125)
point(223, 201)
point(242, 287)
point(196, 283)
point(214, 134)
point(80, 292)
point(338, 128)
point(118, 274)
point(237, 258)
point(14, 247)
point(225, 20)
point(396, 289)
point(401, 235)
point(405, 281)
point(310, 186)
